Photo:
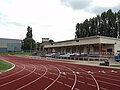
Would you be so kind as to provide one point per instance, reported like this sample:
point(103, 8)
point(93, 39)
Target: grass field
point(115, 66)
point(4, 65)
point(15, 53)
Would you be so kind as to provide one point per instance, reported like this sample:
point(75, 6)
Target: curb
point(13, 66)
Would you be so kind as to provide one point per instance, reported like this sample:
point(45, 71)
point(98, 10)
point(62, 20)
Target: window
point(109, 50)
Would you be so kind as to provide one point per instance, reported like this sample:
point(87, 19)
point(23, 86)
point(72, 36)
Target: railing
point(102, 53)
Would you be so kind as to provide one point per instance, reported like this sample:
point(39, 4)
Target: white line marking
point(17, 78)
point(75, 77)
point(67, 85)
point(104, 88)
point(60, 82)
point(33, 80)
point(71, 79)
point(76, 89)
point(107, 78)
point(51, 79)
point(80, 81)
point(91, 85)
point(63, 76)
point(54, 80)
point(13, 73)
point(109, 83)
point(98, 88)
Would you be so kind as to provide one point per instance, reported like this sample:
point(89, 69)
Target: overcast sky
point(54, 19)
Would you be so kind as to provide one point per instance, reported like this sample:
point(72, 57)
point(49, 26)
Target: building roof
point(91, 37)
point(10, 39)
point(84, 41)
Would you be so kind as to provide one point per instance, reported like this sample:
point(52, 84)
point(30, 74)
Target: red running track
point(34, 73)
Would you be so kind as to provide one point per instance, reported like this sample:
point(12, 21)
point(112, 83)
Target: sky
point(54, 19)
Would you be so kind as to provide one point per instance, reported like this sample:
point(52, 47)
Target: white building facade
point(92, 46)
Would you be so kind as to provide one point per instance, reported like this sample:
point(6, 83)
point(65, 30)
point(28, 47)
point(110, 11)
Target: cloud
point(100, 9)
point(16, 24)
point(97, 9)
point(116, 9)
point(77, 4)
point(92, 6)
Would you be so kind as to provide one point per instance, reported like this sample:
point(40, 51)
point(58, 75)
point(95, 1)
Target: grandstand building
point(10, 45)
point(92, 46)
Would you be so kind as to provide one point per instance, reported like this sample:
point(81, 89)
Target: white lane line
point(76, 89)
point(55, 79)
point(63, 77)
point(91, 85)
point(67, 85)
point(104, 88)
point(109, 83)
point(60, 82)
point(98, 88)
point(51, 79)
point(46, 77)
point(71, 79)
point(107, 78)
point(33, 80)
point(89, 78)
point(13, 73)
point(18, 78)
point(111, 75)
point(75, 76)
point(80, 81)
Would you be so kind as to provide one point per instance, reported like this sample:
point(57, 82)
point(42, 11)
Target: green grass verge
point(16, 53)
point(115, 66)
point(4, 65)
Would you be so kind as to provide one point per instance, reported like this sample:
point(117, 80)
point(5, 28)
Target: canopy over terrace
point(94, 45)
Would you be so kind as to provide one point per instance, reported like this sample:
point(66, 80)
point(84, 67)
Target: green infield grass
point(4, 65)
point(115, 66)
point(16, 53)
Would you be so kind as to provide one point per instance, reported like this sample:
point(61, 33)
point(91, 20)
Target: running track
point(35, 73)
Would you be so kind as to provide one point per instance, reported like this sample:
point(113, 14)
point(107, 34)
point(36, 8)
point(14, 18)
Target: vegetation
point(106, 24)
point(16, 53)
point(115, 66)
point(29, 42)
point(50, 41)
point(4, 65)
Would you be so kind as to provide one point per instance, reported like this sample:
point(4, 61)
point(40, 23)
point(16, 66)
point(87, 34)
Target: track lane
point(26, 85)
point(16, 70)
point(105, 77)
point(10, 82)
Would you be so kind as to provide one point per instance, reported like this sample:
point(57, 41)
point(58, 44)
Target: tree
point(38, 46)
point(50, 41)
point(29, 42)
point(77, 30)
point(106, 24)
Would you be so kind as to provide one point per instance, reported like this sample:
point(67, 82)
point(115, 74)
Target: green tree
point(50, 41)
point(118, 22)
point(106, 24)
point(38, 46)
point(29, 42)
point(77, 32)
